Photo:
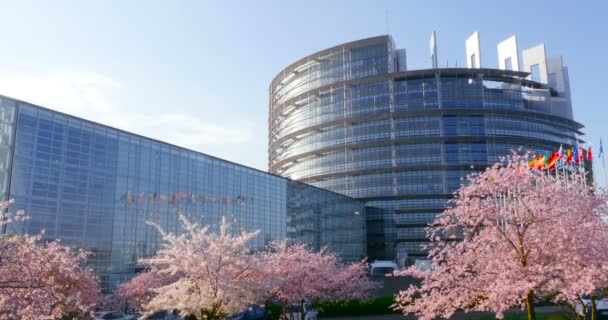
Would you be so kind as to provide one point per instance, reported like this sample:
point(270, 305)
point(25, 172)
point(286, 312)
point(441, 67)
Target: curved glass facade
point(346, 120)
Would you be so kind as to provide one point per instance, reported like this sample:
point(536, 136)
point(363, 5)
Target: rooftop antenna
point(433, 47)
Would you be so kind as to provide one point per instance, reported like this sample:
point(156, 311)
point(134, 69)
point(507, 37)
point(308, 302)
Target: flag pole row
point(575, 157)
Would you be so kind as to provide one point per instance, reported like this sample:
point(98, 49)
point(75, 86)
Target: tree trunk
point(593, 309)
point(530, 305)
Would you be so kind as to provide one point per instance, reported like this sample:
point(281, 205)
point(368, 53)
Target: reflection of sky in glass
point(95, 187)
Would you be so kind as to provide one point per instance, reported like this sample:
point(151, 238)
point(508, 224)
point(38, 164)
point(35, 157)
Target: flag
point(541, 162)
point(589, 154)
point(538, 162)
point(601, 153)
point(552, 161)
point(580, 154)
point(534, 161)
point(575, 153)
point(569, 155)
point(129, 197)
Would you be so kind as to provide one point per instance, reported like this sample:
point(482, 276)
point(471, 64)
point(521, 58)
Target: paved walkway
point(457, 316)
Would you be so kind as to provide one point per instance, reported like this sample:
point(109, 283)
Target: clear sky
point(196, 73)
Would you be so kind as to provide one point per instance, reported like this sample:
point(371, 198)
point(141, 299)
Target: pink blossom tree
point(6, 216)
point(140, 290)
point(584, 268)
point(42, 280)
point(523, 234)
point(217, 274)
point(316, 276)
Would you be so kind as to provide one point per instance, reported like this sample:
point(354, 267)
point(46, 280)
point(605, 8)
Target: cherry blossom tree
point(140, 290)
point(217, 274)
point(7, 217)
point(316, 276)
point(584, 269)
point(42, 280)
point(523, 235)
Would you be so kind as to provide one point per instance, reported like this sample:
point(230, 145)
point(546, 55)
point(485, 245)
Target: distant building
point(94, 187)
point(353, 119)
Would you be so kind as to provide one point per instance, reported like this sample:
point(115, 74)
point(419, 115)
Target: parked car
point(294, 312)
point(382, 268)
point(113, 315)
point(254, 312)
point(601, 307)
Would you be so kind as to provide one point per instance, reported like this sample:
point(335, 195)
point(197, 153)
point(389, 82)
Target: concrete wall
point(508, 49)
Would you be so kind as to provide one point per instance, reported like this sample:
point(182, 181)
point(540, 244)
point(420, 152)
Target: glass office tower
point(353, 120)
point(94, 187)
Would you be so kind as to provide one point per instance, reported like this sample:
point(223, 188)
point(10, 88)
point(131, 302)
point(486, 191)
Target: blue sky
point(196, 73)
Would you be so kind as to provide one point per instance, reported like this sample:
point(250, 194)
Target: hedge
point(376, 306)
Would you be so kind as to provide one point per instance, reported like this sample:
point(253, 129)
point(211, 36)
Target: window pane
point(508, 64)
point(535, 71)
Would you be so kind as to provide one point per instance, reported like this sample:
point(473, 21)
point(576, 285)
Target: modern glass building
point(352, 119)
point(94, 187)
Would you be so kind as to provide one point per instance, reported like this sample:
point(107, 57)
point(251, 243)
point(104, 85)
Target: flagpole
point(605, 178)
point(581, 165)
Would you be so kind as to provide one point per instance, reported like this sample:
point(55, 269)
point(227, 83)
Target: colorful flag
point(552, 161)
point(532, 163)
point(575, 153)
point(601, 153)
point(538, 162)
point(129, 197)
point(541, 162)
point(589, 154)
point(581, 155)
point(569, 155)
